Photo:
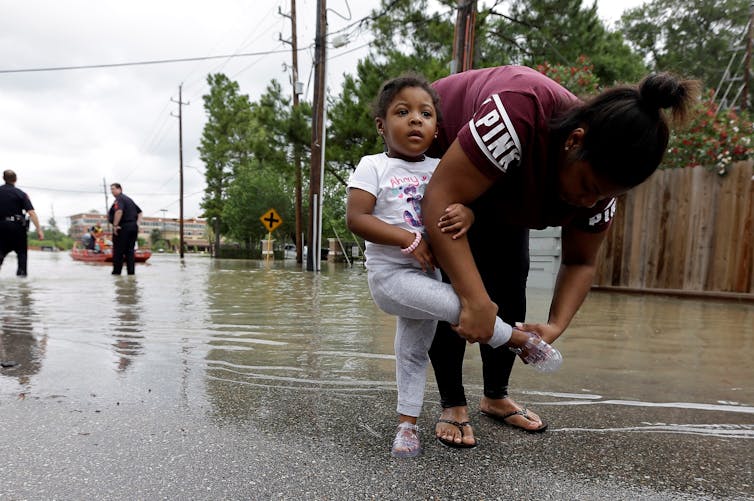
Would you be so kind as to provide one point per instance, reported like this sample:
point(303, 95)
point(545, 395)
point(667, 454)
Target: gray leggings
point(419, 300)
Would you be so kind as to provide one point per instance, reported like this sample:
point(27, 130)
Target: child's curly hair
point(392, 87)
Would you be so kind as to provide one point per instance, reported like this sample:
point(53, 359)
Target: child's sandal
point(406, 443)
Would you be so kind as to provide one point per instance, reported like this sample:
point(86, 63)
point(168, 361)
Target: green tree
point(269, 145)
point(250, 195)
point(408, 35)
point(224, 145)
point(265, 177)
point(689, 37)
point(559, 32)
point(52, 225)
point(52, 233)
point(156, 238)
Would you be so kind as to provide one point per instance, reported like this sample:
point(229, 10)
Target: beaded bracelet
point(411, 248)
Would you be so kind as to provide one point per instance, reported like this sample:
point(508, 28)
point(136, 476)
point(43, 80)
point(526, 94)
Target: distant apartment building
point(194, 230)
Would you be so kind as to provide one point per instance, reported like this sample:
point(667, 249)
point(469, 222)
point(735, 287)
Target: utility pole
point(318, 141)
point(107, 204)
point(104, 189)
point(163, 228)
point(463, 37)
point(297, 89)
point(180, 163)
point(745, 95)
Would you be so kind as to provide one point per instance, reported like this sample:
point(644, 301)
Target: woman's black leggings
point(501, 253)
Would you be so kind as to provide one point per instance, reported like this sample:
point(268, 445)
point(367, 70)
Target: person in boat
point(92, 240)
point(88, 239)
point(99, 242)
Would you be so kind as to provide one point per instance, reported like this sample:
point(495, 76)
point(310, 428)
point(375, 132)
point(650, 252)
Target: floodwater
point(212, 334)
point(72, 328)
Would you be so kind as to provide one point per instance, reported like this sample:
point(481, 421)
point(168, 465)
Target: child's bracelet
point(411, 248)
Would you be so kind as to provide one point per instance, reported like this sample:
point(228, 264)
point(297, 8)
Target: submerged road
point(246, 380)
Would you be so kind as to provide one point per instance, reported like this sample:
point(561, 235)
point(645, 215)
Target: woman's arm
point(575, 278)
point(456, 179)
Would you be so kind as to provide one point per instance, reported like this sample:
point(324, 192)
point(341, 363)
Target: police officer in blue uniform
point(13, 223)
point(125, 216)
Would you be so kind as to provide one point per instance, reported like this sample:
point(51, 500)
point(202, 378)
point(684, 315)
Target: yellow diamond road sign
point(271, 220)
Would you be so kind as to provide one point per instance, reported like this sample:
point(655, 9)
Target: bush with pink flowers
point(579, 79)
point(712, 139)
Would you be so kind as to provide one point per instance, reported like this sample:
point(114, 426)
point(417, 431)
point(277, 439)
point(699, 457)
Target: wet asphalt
point(334, 445)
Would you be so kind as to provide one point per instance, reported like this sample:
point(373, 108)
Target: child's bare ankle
point(518, 339)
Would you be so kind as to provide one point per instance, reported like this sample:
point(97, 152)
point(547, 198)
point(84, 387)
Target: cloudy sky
point(65, 131)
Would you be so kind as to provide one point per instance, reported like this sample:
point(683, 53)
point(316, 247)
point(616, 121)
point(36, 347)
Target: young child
point(384, 195)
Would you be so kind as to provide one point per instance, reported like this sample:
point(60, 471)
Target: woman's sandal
point(406, 443)
point(521, 412)
point(451, 443)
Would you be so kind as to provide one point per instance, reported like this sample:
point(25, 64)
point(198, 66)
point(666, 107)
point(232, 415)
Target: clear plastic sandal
point(406, 443)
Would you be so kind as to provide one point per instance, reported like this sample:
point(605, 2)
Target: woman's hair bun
point(664, 90)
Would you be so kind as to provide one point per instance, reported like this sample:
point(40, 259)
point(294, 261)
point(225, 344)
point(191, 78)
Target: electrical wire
point(143, 63)
point(356, 23)
point(96, 192)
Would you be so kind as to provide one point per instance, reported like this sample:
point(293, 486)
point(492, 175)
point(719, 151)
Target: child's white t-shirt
point(398, 186)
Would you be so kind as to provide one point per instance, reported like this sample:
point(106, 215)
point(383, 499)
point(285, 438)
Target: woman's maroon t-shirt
point(500, 117)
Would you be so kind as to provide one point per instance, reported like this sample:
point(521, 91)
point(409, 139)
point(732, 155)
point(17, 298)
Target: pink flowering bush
point(713, 139)
point(579, 79)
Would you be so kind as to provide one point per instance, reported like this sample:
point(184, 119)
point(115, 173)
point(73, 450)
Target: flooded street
point(245, 379)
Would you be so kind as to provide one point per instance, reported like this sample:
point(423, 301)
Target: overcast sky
point(63, 132)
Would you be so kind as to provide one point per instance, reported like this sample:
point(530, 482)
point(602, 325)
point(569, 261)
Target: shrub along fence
point(684, 230)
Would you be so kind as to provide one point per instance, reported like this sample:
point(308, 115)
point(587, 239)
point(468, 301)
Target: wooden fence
point(684, 230)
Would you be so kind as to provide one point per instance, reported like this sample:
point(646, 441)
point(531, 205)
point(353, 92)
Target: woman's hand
point(477, 321)
point(548, 332)
point(457, 218)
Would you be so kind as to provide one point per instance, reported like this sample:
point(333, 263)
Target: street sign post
point(271, 220)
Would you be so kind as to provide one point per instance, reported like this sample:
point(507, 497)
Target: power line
point(27, 187)
point(143, 63)
point(187, 196)
point(95, 192)
point(346, 52)
point(356, 23)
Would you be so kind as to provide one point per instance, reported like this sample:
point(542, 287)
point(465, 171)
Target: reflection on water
point(126, 327)
point(659, 348)
point(21, 349)
point(217, 334)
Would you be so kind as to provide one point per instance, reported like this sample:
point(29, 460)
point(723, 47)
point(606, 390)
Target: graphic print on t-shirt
point(495, 135)
point(603, 218)
point(410, 189)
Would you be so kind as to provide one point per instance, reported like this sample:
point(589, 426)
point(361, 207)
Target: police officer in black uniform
point(125, 216)
point(13, 224)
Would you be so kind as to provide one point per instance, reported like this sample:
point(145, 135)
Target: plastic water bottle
point(539, 354)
